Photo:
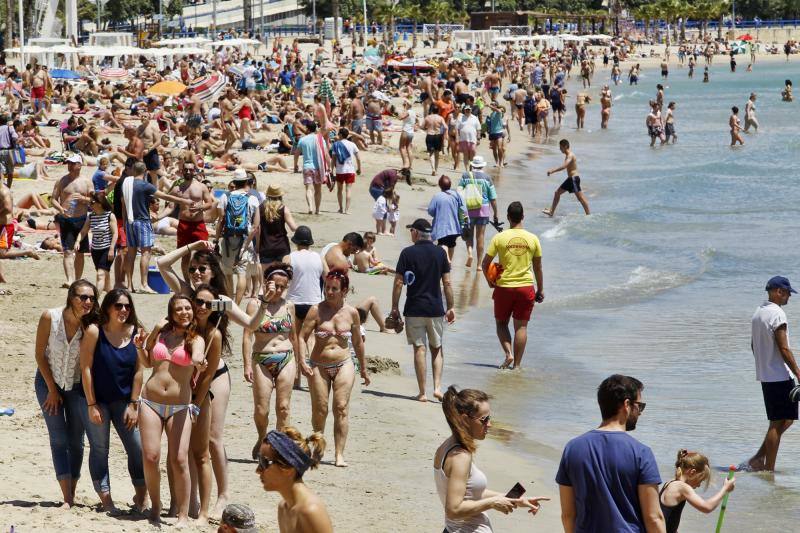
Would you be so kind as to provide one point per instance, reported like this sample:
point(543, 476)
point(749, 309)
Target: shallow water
point(659, 283)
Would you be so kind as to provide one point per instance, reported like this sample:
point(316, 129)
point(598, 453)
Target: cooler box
point(156, 281)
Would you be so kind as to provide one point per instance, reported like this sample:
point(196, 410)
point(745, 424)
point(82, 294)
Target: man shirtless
point(572, 184)
point(7, 231)
point(605, 106)
point(493, 84)
point(519, 97)
point(38, 86)
point(191, 226)
point(336, 255)
point(356, 112)
point(374, 124)
point(150, 136)
point(71, 197)
point(426, 92)
point(435, 128)
point(133, 150)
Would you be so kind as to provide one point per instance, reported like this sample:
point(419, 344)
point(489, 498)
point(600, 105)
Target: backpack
point(236, 214)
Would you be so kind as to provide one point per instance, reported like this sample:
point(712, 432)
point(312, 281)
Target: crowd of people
point(241, 259)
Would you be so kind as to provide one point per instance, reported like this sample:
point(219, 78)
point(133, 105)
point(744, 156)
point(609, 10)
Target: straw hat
point(274, 191)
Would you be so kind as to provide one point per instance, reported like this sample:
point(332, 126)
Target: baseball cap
point(75, 158)
point(240, 517)
point(421, 225)
point(779, 282)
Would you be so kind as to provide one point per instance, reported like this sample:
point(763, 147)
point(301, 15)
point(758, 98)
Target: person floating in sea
point(572, 184)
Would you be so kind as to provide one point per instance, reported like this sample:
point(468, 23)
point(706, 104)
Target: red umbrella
point(114, 74)
point(746, 37)
point(208, 87)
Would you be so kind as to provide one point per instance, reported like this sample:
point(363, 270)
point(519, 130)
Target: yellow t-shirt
point(516, 249)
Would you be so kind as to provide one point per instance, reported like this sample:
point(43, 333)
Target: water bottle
point(7, 411)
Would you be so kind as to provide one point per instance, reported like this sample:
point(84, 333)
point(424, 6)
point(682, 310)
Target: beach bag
point(473, 196)
point(235, 215)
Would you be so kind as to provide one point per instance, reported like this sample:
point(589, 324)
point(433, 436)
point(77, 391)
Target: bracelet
point(91, 405)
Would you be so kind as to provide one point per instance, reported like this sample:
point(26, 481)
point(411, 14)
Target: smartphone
point(516, 491)
point(221, 305)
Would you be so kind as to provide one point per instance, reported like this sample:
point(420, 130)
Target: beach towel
point(340, 152)
point(127, 196)
point(320, 163)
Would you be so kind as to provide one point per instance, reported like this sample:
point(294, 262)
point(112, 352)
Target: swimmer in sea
point(736, 127)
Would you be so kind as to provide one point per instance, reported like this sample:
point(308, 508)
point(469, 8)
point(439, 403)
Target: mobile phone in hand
point(516, 491)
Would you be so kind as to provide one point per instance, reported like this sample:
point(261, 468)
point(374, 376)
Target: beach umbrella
point(739, 47)
point(114, 74)
point(236, 70)
point(167, 88)
point(462, 56)
point(746, 37)
point(208, 87)
point(64, 74)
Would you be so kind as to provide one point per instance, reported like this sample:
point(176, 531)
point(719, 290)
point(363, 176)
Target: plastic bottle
point(7, 411)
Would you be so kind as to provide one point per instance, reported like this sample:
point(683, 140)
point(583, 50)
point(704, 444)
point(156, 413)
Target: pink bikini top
point(179, 355)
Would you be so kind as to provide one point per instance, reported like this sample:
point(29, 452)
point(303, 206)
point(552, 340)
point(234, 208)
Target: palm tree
point(9, 34)
point(413, 12)
point(438, 11)
point(335, 4)
point(722, 7)
point(387, 11)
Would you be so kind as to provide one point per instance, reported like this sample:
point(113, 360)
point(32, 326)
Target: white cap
point(239, 174)
point(477, 162)
point(75, 158)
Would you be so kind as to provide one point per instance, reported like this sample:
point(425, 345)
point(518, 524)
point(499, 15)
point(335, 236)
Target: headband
point(278, 271)
point(289, 451)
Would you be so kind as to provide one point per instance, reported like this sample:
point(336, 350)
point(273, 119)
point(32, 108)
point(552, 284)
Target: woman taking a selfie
point(460, 483)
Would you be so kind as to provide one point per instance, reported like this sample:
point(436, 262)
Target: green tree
point(413, 12)
point(438, 11)
point(387, 12)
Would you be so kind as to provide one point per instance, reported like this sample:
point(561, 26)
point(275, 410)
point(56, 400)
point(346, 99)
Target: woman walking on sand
point(335, 326)
point(269, 352)
point(112, 384)
point(460, 483)
point(58, 378)
point(173, 350)
point(283, 458)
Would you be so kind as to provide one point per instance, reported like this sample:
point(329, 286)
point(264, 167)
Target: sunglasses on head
point(85, 297)
point(201, 268)
point(122, 307)
point(203, 303)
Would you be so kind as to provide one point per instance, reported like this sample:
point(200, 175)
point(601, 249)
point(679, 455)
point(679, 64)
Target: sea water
point(660, 283)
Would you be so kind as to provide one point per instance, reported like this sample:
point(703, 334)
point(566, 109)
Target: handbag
point(473, 196)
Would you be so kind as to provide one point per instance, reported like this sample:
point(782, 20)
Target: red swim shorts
point(346, 178)
point(6, 236)
point(513, 301)
point(190, 231)
point(37, 92)
point(122, 239)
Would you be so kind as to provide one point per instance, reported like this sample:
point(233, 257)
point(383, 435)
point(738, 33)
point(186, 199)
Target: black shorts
point(449, 241)
point(461, 99)
point(69, 229)
point(669, 129)
point(100, 259)
point(776, 400)
point(151, 160)
point(572, 184)
point(433, 143)
point(301, 310)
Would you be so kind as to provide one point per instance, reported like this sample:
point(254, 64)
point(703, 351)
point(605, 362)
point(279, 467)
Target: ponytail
point(463, 402)
point(696, 461)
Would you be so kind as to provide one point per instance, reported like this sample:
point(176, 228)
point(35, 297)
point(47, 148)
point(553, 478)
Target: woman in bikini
point(244, 110)
point(204, 269)
point(173, 350)
point(268, 352)
point(335, 325)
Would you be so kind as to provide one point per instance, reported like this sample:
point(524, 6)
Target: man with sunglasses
point(608, 481)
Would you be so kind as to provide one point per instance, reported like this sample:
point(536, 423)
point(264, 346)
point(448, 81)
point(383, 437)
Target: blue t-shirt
point(98, 180)
point(142, 194)
point(286, 77)
point(605, 469)
point(308, 146)
point(422, 265)
point(495, 121)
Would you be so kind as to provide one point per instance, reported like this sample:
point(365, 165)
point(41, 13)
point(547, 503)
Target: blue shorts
point(374, 124)
point(479, 221)
point(140, 234)
point(358, 125)
point(495, 136)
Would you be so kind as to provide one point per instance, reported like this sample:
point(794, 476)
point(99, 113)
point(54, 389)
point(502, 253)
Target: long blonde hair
point(463, 402)
point(692, 460)
point(271, 208)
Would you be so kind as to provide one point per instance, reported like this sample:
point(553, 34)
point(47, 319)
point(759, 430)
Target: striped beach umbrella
point(208, 87)
point(114, 74)
point(739, 47)
point(236, 70)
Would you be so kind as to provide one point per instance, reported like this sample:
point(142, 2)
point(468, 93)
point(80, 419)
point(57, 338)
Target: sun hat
point(274, 191)
point(239, 517)
point(302, 236)
point(239, 175)
point(477, 162)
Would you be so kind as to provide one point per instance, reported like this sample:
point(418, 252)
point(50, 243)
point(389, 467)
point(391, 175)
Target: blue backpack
point(236, 215)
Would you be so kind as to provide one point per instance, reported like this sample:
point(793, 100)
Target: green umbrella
point(739, 47)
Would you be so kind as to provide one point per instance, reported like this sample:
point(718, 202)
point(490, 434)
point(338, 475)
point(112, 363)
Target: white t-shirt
point(252, 207)
point(349, 166)
point(468, 127)
point(769, 361)
point(410, 121)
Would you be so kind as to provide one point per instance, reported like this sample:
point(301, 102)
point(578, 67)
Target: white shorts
point(423, 330)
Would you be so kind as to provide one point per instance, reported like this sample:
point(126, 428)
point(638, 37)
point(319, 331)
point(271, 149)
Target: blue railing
point(727, 25)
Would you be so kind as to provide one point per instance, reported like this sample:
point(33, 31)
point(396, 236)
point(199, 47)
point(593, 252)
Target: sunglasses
point(201, 268)
point(265, 462)
point(85, 297)
point(122, 307)
point(641, 406)
point(203, 303)
point(483, 420)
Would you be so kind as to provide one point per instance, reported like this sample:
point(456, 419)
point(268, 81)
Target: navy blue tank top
point(113, 370)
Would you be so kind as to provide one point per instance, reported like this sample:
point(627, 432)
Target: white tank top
point(476, 484)
point(307, 271)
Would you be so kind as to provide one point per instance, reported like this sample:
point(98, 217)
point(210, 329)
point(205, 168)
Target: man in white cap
point(191, 226)
point(71, 197)
point(238, 220)
point(480, 198)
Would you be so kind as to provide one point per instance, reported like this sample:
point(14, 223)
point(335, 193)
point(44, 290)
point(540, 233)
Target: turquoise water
point(659, 283)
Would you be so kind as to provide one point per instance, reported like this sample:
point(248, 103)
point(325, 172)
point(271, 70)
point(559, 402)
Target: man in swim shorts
point(570, 185)
point(71, 197)
point(191, 225)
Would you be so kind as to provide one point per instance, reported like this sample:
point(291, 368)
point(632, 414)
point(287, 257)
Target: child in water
point(786, 93)
point(705, 75)
point(691, 470)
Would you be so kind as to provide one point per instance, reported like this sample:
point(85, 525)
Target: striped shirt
point(101, 230)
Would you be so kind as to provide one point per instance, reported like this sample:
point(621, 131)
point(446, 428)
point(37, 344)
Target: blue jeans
point(65, 429)
point(99, 436)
